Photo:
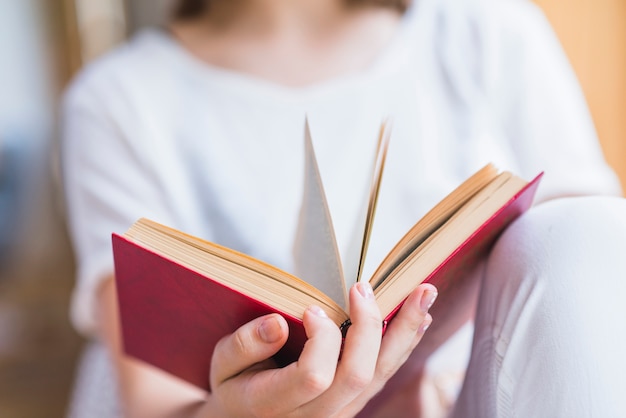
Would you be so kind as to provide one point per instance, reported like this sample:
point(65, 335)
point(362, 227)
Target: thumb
point(251, 343)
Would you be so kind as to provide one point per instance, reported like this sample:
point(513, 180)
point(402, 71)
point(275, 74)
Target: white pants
point(550, 330)
point(550, 326)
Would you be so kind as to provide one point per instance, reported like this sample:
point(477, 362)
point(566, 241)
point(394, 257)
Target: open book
point(179, 294)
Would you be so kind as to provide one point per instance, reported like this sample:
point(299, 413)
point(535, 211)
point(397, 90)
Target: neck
point(293, 42)
point(272, 17)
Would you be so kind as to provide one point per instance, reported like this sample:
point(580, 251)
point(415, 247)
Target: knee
point(562, 240)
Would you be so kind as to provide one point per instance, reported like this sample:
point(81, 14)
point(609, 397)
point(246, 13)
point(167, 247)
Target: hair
point(188, 9)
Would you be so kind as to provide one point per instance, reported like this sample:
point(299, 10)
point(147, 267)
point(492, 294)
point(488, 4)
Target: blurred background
point(43, 43)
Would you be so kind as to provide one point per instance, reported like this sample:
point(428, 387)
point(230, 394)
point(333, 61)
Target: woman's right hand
point(245, 381)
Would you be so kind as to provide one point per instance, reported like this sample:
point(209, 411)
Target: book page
point(446, 240)
point(316, 256)
point(377, 175)
point(243, 273)
point(434, 219)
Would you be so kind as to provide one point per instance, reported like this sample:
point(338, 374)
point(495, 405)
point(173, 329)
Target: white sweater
point(151, 131)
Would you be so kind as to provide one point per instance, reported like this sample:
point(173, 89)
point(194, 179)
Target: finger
point(279, 391)
point(252, 343)
point(362, 343)
point(360, 352)
point(401, 337)
point(405, 331)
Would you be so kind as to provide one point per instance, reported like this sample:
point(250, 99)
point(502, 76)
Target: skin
point(290, 43)
point(300, 42)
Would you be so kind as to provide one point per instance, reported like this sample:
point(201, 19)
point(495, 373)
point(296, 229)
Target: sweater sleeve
point(537, 103)
point(108, 178)
point(505, 66)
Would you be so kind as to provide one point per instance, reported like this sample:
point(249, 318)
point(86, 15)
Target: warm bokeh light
point(593, 34)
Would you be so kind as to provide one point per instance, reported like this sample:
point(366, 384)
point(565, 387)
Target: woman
point(198, 125)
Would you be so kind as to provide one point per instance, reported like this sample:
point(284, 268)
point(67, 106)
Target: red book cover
point(172, 316)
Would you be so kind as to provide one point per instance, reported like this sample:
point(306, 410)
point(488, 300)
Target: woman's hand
point(245, 382)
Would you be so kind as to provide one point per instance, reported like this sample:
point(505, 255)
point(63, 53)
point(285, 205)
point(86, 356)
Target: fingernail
point(425, 324)
point(365, 289)
point(270, 330)
point(428, 298)
point(316, 310)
